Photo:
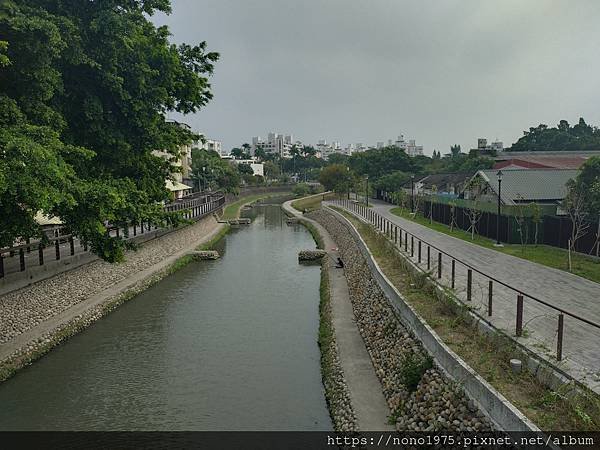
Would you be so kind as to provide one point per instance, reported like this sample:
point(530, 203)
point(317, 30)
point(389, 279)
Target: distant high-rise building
point(275, 143)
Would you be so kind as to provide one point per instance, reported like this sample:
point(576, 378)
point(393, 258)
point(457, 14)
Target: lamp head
point(499, 175)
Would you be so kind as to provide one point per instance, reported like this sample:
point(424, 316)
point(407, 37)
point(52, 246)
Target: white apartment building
point(483, 148)
point(211, 145)
point(275, 143)
point(324, 150)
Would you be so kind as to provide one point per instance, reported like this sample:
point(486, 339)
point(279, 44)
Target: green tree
point(337, 178)
point(209, 171)
point(239, 153)
point(588, 184)
point(391, 182)
point(84, 91)
point(271, 170)
point(245, 169)
point(563, 137)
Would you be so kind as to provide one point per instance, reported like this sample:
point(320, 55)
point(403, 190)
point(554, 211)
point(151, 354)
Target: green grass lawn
point(546, 255)
point(312, 202)
point(232, 210)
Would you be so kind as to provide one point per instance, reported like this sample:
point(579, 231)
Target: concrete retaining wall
point(499, 409)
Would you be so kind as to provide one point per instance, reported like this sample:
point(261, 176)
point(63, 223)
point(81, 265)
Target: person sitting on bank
point(340, 264)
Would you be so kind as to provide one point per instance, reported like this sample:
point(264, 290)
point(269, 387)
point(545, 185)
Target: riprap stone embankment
point(434, 402)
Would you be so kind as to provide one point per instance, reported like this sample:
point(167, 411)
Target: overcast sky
point(438, 71)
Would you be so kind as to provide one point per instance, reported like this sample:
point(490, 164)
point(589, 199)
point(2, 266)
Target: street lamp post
point(348, 170)
point(412, 193)
point(367, 191)
point(499, 176)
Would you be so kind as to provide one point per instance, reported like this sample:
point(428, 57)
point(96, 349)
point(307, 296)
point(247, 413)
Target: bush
point(412, 369)
point(301, 190)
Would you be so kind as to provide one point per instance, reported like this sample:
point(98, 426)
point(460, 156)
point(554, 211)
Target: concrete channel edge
point(503, 413)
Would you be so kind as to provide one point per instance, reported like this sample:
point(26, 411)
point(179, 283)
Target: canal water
point(229, 344)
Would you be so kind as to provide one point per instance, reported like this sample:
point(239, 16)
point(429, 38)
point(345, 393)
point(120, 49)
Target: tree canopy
point(563, 137)
point(84, 90)
point(209, 171)
point(337, 177)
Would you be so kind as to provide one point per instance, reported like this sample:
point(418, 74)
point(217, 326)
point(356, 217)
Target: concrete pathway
point(365, 389)
point(581, 347)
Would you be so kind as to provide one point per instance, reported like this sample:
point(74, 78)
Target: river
point(229, 344)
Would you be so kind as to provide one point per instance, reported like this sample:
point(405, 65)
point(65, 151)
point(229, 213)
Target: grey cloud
point(439, 71)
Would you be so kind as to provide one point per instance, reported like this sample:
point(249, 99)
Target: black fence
point(443, 268)
point(15, 259)
point(552, 230)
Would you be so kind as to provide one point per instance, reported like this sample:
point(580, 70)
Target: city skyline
point(445, 73)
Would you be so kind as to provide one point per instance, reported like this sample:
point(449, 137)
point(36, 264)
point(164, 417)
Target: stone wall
point(21, 311)
point(418, 394)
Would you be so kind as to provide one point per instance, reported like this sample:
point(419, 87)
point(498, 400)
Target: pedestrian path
point(365, 389)
point(581, 342)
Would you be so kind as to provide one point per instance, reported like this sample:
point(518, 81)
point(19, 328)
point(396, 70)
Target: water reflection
point(219, 345)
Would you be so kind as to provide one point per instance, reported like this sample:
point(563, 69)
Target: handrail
point(192, 209)
point(375, 218)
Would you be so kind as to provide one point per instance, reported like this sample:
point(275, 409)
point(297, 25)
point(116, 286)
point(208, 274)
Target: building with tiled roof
point(543, 160)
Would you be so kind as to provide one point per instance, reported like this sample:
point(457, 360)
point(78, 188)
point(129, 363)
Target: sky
point(441, 72)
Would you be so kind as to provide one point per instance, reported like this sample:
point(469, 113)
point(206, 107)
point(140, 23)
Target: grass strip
point(312, 202)
point(564, 409)
point(546, 255)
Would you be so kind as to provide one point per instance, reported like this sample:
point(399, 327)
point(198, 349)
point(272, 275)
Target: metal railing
point(191, 208)
point(409, 244)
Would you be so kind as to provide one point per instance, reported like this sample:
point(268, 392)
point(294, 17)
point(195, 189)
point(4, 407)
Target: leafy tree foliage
point(84, 90)
point(238, 153)
point(209, 171)
point(392, 182)
point(378, 162)
point(588, 182)
point(337, 177)
point(563, 137)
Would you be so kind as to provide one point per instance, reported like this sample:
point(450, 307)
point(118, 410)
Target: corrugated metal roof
point(530, 184)
point(175, 186)
point(44, 220)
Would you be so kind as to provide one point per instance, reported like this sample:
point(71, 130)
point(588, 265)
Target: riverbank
point(418, 393)
point(209, 347)
point(353, 392)
point(40, 316)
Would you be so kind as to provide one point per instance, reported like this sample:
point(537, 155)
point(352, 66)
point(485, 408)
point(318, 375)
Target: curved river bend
point(219, 345)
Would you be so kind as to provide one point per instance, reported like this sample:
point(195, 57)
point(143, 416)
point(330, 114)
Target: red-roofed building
point(543, 160)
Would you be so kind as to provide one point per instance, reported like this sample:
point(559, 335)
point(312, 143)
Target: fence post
point(57, 249)
point(519, 327)
point(453, 272)
point(396, 235)
point(419, 248)
point(559, 342)
point(490, 296)
point(41, 254)
point(428, 257)
point(22, 260)
point(469, 284)
point(1, 265)
point(72, 245)
point(439, 265)
point(412, 246)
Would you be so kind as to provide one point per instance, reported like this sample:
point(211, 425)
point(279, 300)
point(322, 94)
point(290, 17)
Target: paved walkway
point(581, 347)
point(365, 389)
